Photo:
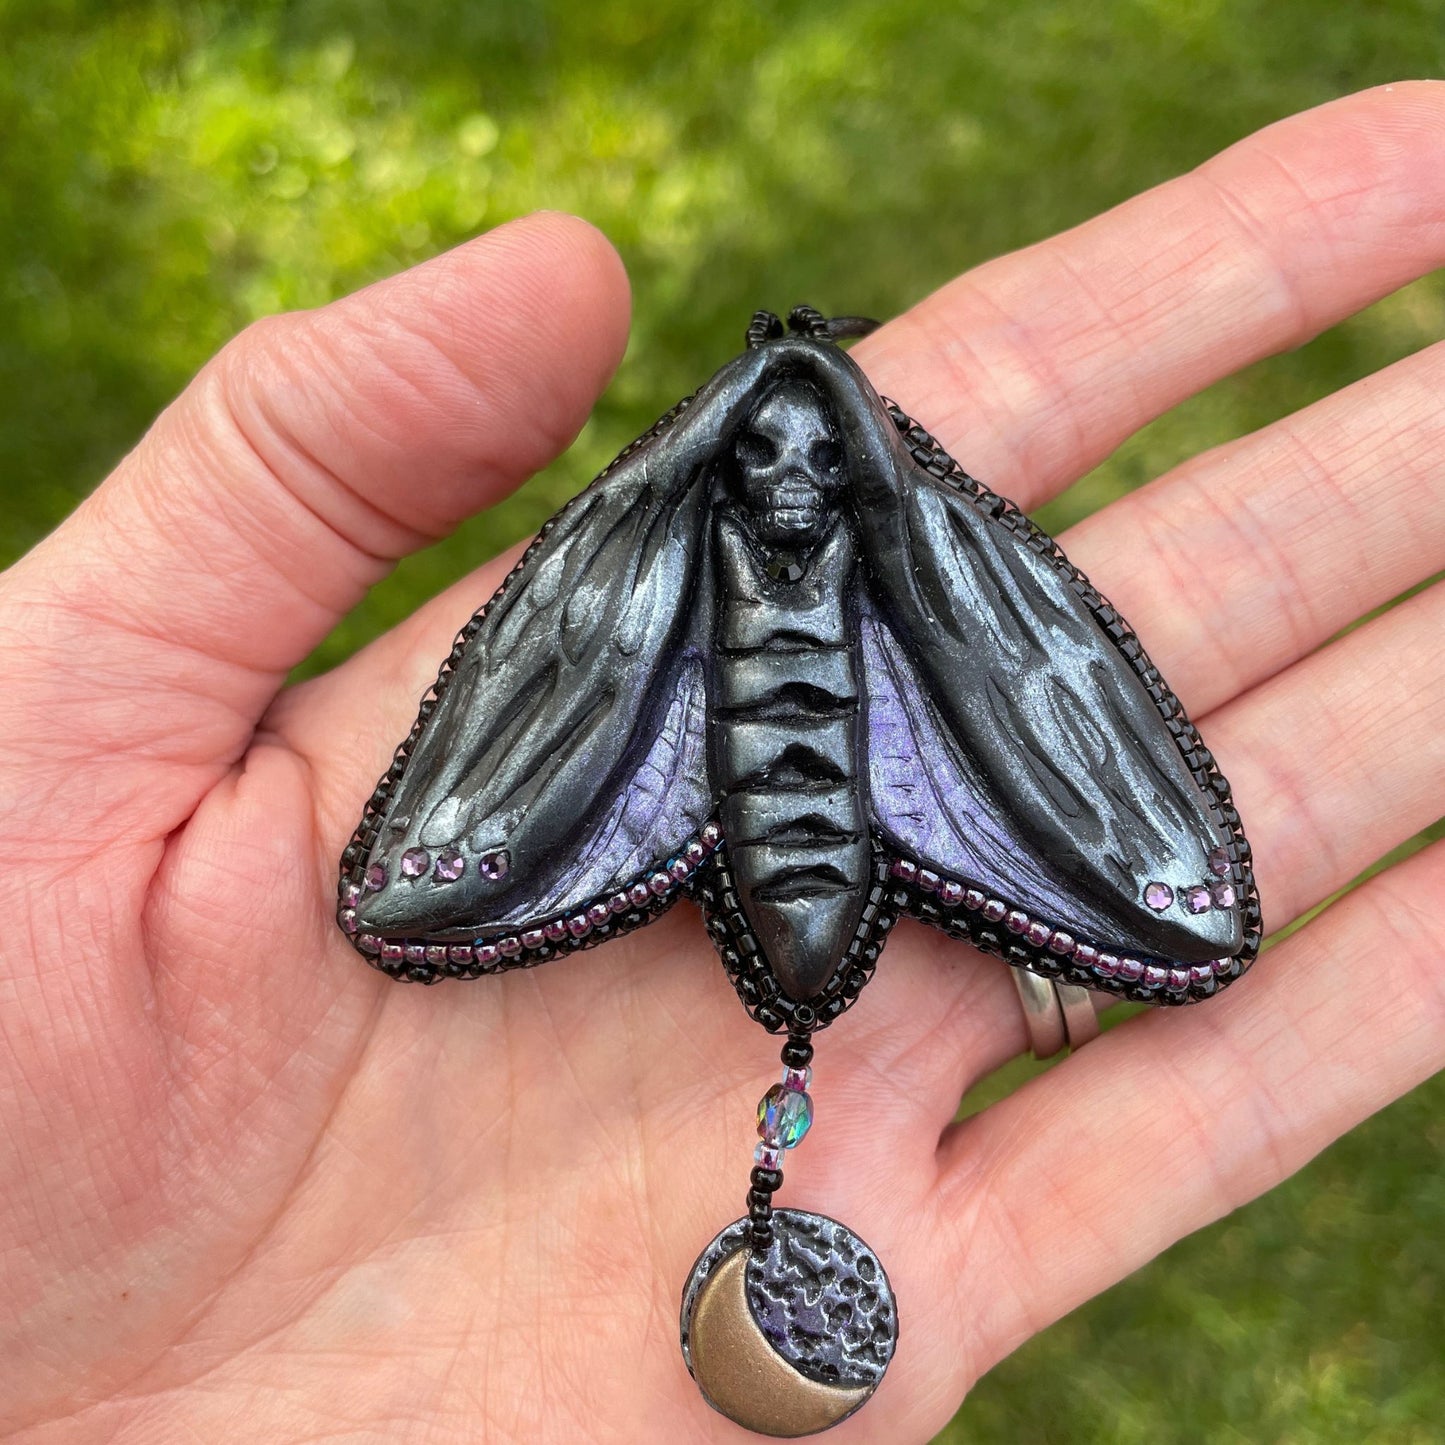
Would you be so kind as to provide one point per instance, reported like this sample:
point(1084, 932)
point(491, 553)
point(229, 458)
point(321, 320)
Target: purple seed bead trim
point(347, 919)
point(1039, 934)
point(973, 900)
point(1016, 920)
point(369, 943)
point(509, 947)
point(950, 893)
point(1062, 944)
point(1106, 964)
point(1154, 976)
point(1131, 969)
point(994, 910)
point(533, 938)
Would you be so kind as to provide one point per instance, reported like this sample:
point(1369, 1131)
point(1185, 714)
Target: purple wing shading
point(932, 805)
point(664, 803)
point(560, 754)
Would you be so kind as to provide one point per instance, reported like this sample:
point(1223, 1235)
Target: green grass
point(168, 173)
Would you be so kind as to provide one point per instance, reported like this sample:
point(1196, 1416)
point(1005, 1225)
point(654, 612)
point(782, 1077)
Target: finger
point(1325, 790)
point(1176, 1119)
point(1034, 367)
point(1251, 555)
point(310, 454)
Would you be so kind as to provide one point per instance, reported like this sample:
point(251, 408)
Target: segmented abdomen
point(784, 704)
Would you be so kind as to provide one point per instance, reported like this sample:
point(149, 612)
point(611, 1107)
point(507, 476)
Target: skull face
point(789, 468)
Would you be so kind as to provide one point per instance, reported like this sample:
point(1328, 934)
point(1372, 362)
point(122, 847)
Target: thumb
point(314, 451)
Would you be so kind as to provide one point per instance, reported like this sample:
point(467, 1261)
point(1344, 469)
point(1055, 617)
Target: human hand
point(254, 1191)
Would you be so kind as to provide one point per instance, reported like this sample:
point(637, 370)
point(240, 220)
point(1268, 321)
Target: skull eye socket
point(755, 450)
point(826, 455)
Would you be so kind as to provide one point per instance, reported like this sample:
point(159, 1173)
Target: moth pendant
point(785, 657)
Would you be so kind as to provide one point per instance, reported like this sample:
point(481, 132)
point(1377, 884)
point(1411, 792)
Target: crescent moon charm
point(792, 1339)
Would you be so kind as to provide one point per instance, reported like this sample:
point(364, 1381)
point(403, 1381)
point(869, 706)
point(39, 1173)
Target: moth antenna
point(765, 326)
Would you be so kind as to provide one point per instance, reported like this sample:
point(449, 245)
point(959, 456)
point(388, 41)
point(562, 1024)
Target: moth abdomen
point(784, 709)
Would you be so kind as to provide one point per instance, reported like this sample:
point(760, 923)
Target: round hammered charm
point(789, 1340)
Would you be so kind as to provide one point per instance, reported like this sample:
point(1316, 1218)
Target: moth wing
point(564, 740)
point(1027, 718)
point(1016, 692)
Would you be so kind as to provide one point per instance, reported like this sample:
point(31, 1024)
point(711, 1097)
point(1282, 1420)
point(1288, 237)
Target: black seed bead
point(760, 1213)
point(769, 1179)
point(797, 1053)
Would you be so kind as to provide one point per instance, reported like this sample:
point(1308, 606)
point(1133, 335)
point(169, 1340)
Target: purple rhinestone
point(1158, 896)
point(578, 925)
point(392, 952)
point(618, 903)
point(368, 943)
point(1224, 967)
point(639, 893)
point(1130, 969)
point(486, 953)
point(415, 862)
point(460, 953)
point(1223, 895)
point(950, 894)
point(533, 938)
point(1039, 934)
point(1062, 944)
point(659, 883)
point(1201, 973)
point(694, 853)
point(1219, 861)
point(679, 869)
point(1016, 921)
point(436, 953)
point(556, 930)
point(376, 876)
point(351, 895)
point(1197, 899)
point(599, 913)
point(993, 910)
point(510, 946)
point(710, 836)
point(495, 866)
point(904, 869)
point(928, 880)
point(1106, 964)
point(347, 919)
point(450, 865)
point(416, 953)
point(1153, 975)
point(1086, 954)
point(973, 900)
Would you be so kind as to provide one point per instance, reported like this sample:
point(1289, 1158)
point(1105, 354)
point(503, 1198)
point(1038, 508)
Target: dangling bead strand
point(785, 1114)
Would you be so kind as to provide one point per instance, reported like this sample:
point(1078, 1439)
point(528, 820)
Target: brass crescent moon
point(743, 1377)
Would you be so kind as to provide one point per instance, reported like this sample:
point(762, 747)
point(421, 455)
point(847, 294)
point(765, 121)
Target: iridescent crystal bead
point(784, 1116)
point(768, 1156)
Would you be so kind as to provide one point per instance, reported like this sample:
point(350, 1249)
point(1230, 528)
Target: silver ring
point(1058, 1015)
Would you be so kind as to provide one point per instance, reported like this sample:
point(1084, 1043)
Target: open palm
point(250, 1190)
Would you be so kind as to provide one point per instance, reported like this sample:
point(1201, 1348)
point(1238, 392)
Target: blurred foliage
point(170, 172)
